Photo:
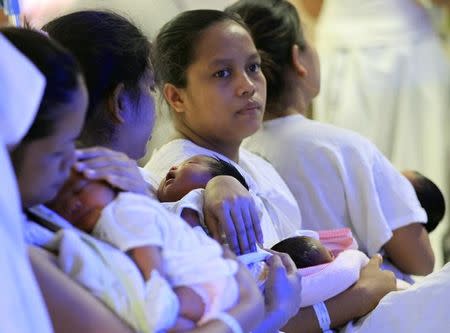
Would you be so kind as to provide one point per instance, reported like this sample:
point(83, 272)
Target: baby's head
point(430, 198)
point(194, 173)
point(80, 201)
point(305, 251)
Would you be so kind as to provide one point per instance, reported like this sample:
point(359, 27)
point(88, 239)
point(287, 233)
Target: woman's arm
point(410, 250)
point(229, 208)
point(71, 308)
point(353, 303)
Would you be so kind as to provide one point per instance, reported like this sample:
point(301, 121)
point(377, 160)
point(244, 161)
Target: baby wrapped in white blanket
point(160, 243)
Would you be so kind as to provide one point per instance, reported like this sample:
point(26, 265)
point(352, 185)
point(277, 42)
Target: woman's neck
point(287, 107)
point(228, 149)
point(295, 99)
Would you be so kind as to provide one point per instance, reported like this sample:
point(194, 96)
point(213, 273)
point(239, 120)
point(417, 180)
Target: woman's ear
point(296, 59)
point(116, 103)
point(174, 96)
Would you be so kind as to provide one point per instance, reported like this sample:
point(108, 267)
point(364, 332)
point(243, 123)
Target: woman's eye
point(222, 73)
point(255, 67)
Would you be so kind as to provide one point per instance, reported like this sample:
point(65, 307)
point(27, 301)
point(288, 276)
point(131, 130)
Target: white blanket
point(112, 277)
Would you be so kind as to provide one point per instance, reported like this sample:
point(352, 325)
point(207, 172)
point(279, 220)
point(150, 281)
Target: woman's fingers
point(118, 160)
point(286, 261)
point(249, 227)
point(244, 235)
point(283, 288)
point(228, 227)
point(256, 222)
point(228, 203)
point(116, 168)
point(97, 151)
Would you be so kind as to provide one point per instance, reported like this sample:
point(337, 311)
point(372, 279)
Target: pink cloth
point(338, 240)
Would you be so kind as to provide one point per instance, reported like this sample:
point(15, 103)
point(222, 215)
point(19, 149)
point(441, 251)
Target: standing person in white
point(338, 178)
point(385, 75)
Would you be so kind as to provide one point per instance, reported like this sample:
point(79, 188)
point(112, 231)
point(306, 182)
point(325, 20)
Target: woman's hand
point(283, 288)
point(373, 284)
point(249, 311)
point(116, 168)
point(353, 303)
point(230, 209)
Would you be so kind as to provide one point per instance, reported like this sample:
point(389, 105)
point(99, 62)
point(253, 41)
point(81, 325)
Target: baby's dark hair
point(219, 167)
point(430, 197)
point(303, 250)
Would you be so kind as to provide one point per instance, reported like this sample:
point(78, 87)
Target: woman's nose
point(246, 86)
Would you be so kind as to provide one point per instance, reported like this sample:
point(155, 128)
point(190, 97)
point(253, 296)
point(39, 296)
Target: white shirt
point(339, 179)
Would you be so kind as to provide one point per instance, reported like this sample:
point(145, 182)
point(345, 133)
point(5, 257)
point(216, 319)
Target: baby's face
point(323, 255)
point(81, 201)
point(180, 180)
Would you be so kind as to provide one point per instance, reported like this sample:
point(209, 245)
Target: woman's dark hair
point(177, 40)
point(60, 69)
point(111, 50)
point(219, 167)
point(275, 27)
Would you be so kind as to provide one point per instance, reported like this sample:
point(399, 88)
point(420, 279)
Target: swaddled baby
point(157, 241)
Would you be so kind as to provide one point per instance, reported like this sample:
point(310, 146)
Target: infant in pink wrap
point(328, 261)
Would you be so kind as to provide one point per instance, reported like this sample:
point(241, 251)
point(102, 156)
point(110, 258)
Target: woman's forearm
point(353, 303)
point(272, 323)
point(341, 309)
point(71, 308)
point(409, 249)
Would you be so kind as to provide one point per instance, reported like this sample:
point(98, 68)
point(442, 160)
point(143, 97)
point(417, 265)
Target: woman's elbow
point(410, 250)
